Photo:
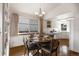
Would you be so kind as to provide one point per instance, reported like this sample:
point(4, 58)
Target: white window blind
point(28, 25)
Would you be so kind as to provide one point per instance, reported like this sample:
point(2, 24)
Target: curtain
point(14, 24)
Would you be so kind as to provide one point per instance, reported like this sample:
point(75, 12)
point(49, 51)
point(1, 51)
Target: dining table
point(40, 41)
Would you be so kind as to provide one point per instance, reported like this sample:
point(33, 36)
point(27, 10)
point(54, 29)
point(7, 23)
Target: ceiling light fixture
point(40, 13)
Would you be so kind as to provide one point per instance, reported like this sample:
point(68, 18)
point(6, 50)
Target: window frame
point(29, 30)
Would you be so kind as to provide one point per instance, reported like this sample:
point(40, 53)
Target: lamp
point(40, 13)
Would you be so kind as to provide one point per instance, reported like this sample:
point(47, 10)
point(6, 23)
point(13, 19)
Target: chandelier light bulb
point(36, 13)
point(43, 13)
point(40, 13)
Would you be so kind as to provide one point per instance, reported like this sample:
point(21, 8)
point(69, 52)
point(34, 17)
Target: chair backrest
point(54, 44)
point(46, 43)
point(25, 41)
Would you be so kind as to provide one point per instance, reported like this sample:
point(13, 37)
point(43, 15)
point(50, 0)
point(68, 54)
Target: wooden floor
point(19, 51)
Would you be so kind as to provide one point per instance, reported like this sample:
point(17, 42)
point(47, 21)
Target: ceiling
point(31, 8)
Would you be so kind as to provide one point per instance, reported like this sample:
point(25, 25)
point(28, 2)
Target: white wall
point(74, 42)
point(74, 33)
point(60, 33)
point(58, 25)
point(71, 34)
point(16, 41)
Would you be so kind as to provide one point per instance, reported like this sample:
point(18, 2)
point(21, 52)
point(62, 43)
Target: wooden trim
point(74, 52)
point(41, 25)
point(17, 47)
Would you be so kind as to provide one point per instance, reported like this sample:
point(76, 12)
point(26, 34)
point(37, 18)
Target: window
point(28, 25)
point(23, 27)
point(33, 25)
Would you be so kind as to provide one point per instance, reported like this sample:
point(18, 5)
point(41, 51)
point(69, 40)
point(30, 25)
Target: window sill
point(26, 33)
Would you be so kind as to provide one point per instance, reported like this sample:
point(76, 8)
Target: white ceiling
point(31, 8)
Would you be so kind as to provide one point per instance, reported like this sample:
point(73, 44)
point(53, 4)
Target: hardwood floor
point(19, 51)
point(72, 53)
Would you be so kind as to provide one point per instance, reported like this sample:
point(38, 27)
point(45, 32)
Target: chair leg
point(28, 53)
point(38, 52)
point(42, 52)
point(25, 52)
point(56, 53)
point(49, 54)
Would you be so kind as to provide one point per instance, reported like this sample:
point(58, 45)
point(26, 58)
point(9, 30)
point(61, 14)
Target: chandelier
point(40, 13)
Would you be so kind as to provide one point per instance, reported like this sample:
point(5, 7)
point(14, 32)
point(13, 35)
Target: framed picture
point(64, 27)
point(48, 24)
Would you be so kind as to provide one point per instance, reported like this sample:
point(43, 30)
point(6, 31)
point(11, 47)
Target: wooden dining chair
point(30, 46)
point(25, 41)
point(50, 47)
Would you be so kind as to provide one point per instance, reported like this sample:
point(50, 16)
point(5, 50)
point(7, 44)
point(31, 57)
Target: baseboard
point(74, 52)
point(17, 47)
